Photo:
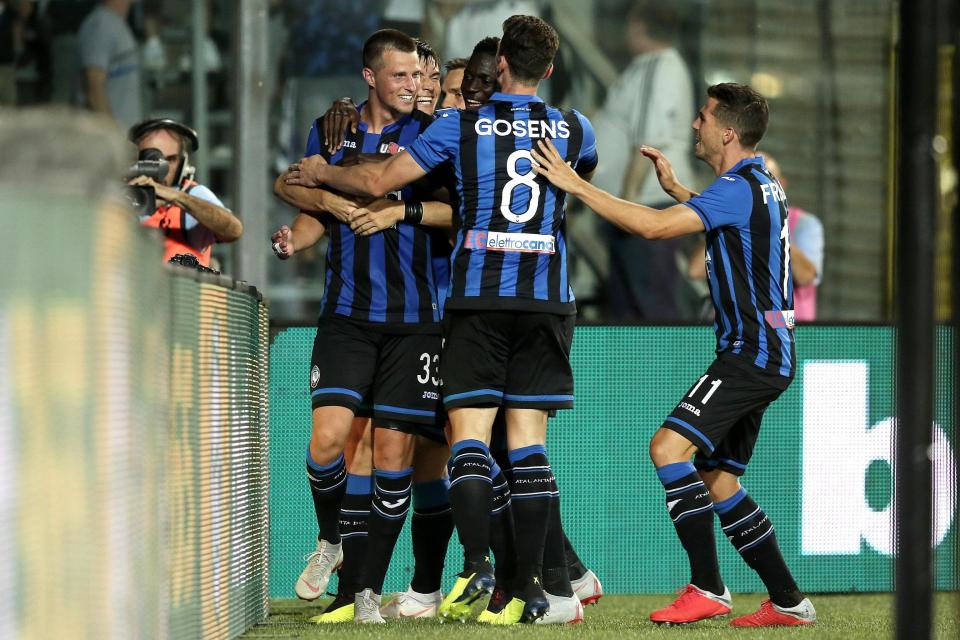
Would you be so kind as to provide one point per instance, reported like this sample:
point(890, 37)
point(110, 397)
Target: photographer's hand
point(164, 193)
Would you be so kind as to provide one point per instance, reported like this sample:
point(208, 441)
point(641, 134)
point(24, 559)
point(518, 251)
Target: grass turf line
point(851, 617)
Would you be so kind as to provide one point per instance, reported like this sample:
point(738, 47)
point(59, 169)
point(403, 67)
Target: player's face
point(708, 133)
point(169, 146)
point(429, 86)
point(453, 96)
point(479, 81)
point(397, 81)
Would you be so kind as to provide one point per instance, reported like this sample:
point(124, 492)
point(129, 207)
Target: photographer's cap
point(141, 129)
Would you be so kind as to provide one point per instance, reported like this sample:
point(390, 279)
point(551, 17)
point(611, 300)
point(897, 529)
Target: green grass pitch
point(850, 617)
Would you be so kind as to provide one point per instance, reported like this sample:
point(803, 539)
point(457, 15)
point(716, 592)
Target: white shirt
point(651, 103)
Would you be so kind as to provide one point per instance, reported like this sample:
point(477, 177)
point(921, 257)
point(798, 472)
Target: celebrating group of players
point(447, 260)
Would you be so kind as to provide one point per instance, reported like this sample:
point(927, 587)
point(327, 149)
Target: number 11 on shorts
point(713, 388)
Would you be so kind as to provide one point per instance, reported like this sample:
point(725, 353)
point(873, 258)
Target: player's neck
point(517, 89)
point(731, 158)
point(377, 115)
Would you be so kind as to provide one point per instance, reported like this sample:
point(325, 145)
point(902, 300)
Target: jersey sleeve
point(588, 159)
point(439, 142)
point(725, 203)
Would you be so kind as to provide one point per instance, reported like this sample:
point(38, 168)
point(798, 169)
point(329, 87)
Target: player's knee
point(667, 447)
point(325, 446)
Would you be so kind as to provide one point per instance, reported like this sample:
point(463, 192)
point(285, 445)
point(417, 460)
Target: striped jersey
point(748, 266)
point(386, 278)
point(510, 252)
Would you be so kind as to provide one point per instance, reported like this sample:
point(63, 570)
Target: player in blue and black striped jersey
point(510, 311)
point(744, 214)
point(378, 341)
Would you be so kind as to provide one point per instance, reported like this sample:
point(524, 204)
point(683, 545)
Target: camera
point(142, 200)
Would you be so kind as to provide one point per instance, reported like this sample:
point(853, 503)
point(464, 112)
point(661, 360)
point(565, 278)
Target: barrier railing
point(133, 434)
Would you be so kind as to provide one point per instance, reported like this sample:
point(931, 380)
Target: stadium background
point(823, 469)
point(134, 427)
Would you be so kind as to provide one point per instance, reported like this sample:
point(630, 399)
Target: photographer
point(190, 216)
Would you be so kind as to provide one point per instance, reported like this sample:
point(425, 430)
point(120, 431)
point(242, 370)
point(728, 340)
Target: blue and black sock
point(533, 498)
point(327, 484)
point(430, 528)
point(470, 500)
point(388, 510)
point(354, 514)
point(690, 508)
point(750, 531)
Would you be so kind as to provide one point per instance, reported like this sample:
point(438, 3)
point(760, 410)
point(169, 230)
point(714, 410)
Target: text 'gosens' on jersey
point(510, 252)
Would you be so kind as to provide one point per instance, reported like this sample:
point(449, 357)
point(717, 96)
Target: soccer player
point(380, 314)
point(744, 214)
point(509, 310)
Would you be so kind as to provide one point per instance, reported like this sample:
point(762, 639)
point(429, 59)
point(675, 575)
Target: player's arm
point(382, 214)
point(305, 232)
point(804, 271)
point(652, 224)
point(373, 180)
point(315, 200)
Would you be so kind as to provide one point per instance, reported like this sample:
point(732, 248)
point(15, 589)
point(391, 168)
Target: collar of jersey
point(362, 126)
point(515, 97)
point(746, 161)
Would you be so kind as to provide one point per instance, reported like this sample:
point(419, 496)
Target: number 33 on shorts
point(431, 369)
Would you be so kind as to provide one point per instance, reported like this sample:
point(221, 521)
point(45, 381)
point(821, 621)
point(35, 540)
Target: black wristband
point(412, 212)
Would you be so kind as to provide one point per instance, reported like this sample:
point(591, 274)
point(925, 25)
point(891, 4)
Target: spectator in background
point(111, 64)
point(33, 39)
point(806, 252)
point(465, 23)
point(650, 104)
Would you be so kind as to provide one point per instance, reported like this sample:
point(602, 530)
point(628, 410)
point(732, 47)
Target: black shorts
point(507, 358)
point(721, 414)
point(390, 377)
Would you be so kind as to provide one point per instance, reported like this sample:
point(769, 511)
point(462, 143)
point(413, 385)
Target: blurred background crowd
point(637, 68)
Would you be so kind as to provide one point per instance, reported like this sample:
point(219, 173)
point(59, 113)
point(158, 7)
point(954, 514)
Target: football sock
point(750, 531)
point(327, 484)
point(532, 502)
point(502, 541)
point(470, 500)
point(388, 510)
point(556, 578)
point(575, 567)
point(354, 511)
point(430, 528)
point(690, 508)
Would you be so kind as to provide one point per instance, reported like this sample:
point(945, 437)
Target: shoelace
point(683, 596)
point(764, 613)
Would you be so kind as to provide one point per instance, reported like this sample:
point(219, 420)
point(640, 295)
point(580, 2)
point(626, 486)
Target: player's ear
point(501, 65)
point(370, 77)
point(548, 72)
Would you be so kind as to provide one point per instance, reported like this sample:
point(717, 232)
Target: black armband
point(412, 212)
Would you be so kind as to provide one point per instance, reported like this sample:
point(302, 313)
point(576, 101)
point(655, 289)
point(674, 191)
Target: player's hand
point(665, 174)
point(340, 207)
point(282, 240)
point(307, 173)
point(376, 216)
point(549, 163)
point(341, 114)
